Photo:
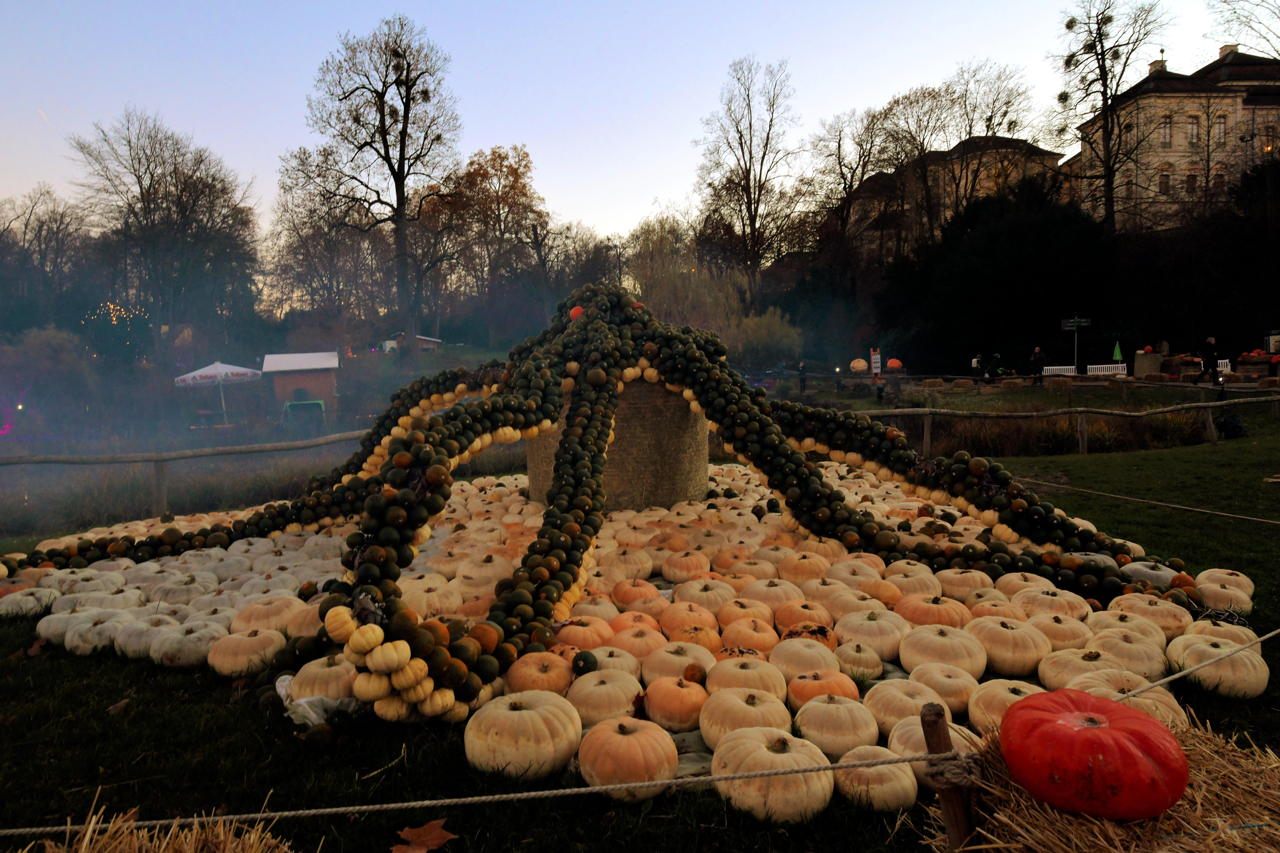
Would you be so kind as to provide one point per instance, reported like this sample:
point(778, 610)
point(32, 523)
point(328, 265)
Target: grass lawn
point(177, 743)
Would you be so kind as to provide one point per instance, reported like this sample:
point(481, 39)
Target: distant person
point(803, 376)
point(1036, 366)
point(993, 367)
point(1208, 360)
point(975, 365)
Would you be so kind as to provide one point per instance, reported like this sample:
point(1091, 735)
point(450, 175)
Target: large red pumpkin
point(1086, 754)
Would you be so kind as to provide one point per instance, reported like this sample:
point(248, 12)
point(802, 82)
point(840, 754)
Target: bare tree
point(1255, 22)
point(390, 127)
point(175, 224)
point(750, 186)
point(49, 233)
point(987, 100)
point(920, 123)
point(1103, 40)
point(848, 149)
point(662, 264)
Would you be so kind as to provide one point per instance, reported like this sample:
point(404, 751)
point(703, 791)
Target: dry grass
point(1232, 803)
point(121, 835)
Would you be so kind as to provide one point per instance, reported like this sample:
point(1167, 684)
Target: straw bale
point(1230, 804)
point(658, 457)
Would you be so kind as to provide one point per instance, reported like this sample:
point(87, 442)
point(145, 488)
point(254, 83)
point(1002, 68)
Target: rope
point(937, 759)
point(1147, 501)
point(1200, 665)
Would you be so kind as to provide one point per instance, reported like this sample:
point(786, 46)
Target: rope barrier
point(1148, 501)
point(934, 759)
point(1182, 674)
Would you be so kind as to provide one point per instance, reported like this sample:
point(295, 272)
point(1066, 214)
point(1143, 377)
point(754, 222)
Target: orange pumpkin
point(807, 685)
point(624, 749)
point(932, 610)
point(539, 671)
point(674, 703)
point(792, 612)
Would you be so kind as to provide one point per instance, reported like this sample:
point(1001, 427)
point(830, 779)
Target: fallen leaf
point(429, 836)
point(37, 647)
point(117, 707)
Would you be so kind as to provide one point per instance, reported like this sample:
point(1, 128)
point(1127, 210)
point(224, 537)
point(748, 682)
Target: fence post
point(159, 487)
point(1082, 429)
point(956, 815)
point(1209, 427)
point(927, 442)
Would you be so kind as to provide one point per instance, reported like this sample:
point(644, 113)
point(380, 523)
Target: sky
point(608, 97)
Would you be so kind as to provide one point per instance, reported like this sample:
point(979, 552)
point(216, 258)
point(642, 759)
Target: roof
point(1230, 68)
point(1239, 67)
point(998, 143)
point(287, 361)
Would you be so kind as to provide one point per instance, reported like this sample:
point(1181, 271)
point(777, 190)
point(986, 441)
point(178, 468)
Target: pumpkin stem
point(1091, 656)
point(515, 706)
point(752, 700)
point(779, 746)
point(623, 729)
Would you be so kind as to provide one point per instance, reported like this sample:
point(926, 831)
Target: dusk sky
point(608, 98)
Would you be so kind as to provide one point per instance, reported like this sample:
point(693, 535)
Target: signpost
point(1074, 325)
point(875, 362)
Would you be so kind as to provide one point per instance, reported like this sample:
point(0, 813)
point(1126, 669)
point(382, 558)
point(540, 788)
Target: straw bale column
point(658, 456)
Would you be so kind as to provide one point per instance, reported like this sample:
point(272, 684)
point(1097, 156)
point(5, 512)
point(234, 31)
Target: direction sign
point(1075, 323)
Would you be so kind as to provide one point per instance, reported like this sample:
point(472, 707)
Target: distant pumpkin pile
point(833, 556)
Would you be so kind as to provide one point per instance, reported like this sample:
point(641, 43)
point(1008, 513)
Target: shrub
point(763, 340)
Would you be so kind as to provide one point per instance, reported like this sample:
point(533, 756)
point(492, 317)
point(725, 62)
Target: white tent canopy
point(217, 374)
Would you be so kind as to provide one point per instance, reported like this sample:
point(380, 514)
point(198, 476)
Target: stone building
point(1185, 139)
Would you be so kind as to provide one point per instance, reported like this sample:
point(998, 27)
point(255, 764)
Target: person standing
point(1208, 360)
point(1036, 366)
point(801, 369)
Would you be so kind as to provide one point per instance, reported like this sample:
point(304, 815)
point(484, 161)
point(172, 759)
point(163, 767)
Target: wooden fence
point(160, 461)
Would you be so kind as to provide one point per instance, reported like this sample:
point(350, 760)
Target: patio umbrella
point(217, 374)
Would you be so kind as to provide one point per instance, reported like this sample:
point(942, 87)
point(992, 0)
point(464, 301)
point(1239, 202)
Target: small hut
point(304, 378)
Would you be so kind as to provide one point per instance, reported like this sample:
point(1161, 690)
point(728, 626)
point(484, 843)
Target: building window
point(1166, 132)
point(1163, 185)
point(1219, 130)
point(1269, 139)
point(1193, 184)
point(1219, 182)
point(1193, 130)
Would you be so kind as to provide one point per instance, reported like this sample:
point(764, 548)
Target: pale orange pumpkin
point(686, 615)
point(807, 685)
point(952, 683)
point(539, 671)
point(585, 632)
point(932, 610)
point(750, 634)
point(991, 699)
point(743, 608)
point(748, 672)
point(1013, 647)
point(701, 635)
point(791, 612)
point(624, 749)
point(1063, 631)
point(803, 566)
point(632, 589)
point(739, 708)
point(942, 644)
point(632, 619)
point(882, 630)
point(1002, 609)
point(674, 703)
point(604, 694)
point(891, 700)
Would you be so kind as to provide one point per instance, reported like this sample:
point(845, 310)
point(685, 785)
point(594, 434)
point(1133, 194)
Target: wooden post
point(159, 488)
point(1082, 428)
point(927, 441)
point(1124, 393)
point(1209, 428)
point(956, 815)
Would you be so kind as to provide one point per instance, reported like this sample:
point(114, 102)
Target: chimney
point(1157, 65)
point(1228, 48)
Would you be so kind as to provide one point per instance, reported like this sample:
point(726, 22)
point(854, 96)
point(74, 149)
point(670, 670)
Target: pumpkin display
point(886, 788)
point(780, 799)
point(881, 631)
point(611, 657)
point(674, 703)
point(244, 653)
point(836, 724)
point(624, 749)
point(1227, 577)
point(743, 608)
point(527, 734)
point(604, 694)
point(1056, 669)
point(859, 662)
point(184, 645)
point(1063, 631)
point(953, 684)
point(585, 632)
point(989, 701)
point(330, 677)
point(907, 738)
point(1239, 634)
point(539, 671)
point(808, 685)
point(1051, 602)
point(1013, 648)
point(737, 708)
point(800, 654)
point(942, 644)
point(1130, 651)
point(269, 614)
point(673, 659)
point(932, 610)
point(792, 613)
point(750, 633)
point(1243, 675)
point(1118, 684)
point(1171, 618)
point(891, 701)
point(1087, 754)
point(747, 672)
